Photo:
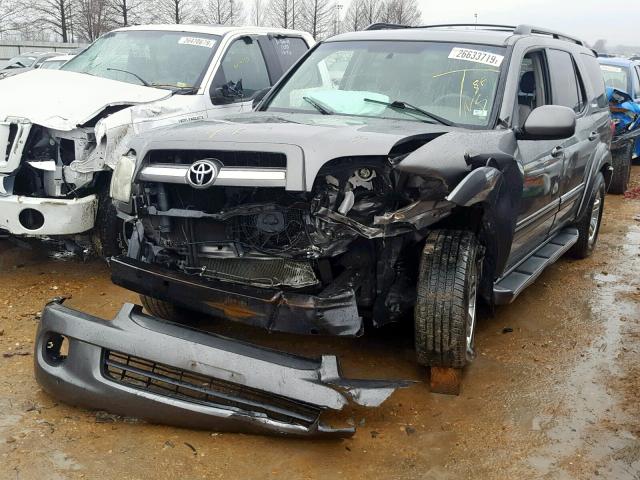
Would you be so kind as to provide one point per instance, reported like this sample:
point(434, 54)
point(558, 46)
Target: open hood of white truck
point(62, 100)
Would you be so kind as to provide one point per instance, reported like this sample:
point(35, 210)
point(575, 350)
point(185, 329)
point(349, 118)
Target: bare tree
point(316, 17)
point(56, 15)
point(285, 13)
point(371, 11)
point(175, 11)
point(258, 14)
point(92, 18)
point(223, 12)
point(123, 13)
point(9, 11)
point(354, 18)
point(404, 12)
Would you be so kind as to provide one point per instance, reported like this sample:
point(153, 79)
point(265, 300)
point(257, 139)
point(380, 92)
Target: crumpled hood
point(311, 140)
point(63, 100)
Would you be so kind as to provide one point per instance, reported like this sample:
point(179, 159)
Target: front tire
point(445, 311)
point(588, 224)
point(621, 162)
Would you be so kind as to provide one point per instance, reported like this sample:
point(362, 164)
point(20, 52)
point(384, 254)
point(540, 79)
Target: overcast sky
point(587, 19)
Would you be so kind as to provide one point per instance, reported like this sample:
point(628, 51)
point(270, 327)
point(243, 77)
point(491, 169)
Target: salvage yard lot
point(553, 392)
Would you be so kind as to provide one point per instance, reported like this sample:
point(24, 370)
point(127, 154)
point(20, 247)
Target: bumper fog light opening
point(31, 219)
point(56, 348)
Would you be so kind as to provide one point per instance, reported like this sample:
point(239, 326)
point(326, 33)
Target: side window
point(242, 73)
point(566, 87)
point(288, 50)
point(532, 87)
point(594, 74)
point(636, 84)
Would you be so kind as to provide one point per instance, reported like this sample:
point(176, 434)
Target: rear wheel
point(168, 310)
point(621, 162)
point(589, 223)
point(445, 311)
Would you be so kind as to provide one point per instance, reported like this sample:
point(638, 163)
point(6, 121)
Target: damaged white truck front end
point(57, 131)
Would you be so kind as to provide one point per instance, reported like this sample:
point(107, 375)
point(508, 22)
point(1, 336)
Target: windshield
point(160, 59)
point(52, 64)
point(21, 62)
point(615, 77)
point(396, 79)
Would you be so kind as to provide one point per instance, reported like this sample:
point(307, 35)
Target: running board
point(510, 286)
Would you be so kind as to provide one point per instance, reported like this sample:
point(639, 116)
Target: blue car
point(622, 78)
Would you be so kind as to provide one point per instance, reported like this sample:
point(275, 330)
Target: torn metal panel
point(139, 366)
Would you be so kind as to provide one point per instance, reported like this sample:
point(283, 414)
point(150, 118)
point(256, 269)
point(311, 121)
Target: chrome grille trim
point(228, 176)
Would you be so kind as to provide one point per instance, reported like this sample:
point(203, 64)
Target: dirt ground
point(554, 392)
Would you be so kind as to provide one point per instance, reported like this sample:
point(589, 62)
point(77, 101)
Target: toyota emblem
point(202, 173)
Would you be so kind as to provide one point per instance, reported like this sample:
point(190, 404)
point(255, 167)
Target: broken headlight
point(122, 178)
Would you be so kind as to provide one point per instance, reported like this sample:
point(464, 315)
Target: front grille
point(227, 158)
point(173, 382)
point(262, 272)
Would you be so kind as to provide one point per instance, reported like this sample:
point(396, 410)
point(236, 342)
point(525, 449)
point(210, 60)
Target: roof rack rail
point(517, 30)
point(386, 26)
point(528, 30)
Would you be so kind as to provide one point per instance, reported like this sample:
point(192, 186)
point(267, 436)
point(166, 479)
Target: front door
point(542, 163)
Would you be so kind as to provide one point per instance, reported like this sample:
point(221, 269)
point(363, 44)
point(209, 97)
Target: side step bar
point(506, 289)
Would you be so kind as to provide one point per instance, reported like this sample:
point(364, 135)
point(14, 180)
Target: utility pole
point(336, 19)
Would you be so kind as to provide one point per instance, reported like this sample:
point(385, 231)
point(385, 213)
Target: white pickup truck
point(63, 131)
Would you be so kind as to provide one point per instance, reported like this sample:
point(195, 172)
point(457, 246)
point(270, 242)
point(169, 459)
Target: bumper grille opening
point(262, 272)
point(173, 382)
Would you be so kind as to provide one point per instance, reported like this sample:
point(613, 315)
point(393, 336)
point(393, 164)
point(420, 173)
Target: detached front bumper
point(21, 215)
point(139, 366)
point(332, 312)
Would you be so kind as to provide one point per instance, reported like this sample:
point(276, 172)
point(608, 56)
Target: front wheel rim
point(594, 221)
point(472, 296)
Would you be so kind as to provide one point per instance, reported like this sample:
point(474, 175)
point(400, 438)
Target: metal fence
point(11, 49)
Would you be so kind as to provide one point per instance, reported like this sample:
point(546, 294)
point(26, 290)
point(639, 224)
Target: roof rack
point(386, 26)
point(528, 30)
point(517, 30)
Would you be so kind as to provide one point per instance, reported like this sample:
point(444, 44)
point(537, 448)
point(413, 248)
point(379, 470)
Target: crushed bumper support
point(139, 366)
point(333, 312)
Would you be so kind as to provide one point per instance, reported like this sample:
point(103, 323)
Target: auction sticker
point(477, 56)
point(197, 41)
point(609, 68)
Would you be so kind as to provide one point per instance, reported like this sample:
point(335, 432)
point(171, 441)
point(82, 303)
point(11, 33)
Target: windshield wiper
point(177, 89)
point(407, 107)
point(144, 82)
point(321, 107)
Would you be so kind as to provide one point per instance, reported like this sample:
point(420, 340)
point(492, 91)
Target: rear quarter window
point(288, 50)
point(596, 80)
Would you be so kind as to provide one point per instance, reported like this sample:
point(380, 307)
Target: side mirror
point(258, 96)
point(230, 92)
point(549, 122)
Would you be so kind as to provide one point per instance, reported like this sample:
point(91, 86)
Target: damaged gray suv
point(395, 174)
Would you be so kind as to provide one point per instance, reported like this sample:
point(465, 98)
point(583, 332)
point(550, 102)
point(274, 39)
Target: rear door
point(282, 52)
point(568, 90)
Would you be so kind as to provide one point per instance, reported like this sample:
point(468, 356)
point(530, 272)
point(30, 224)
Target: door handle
point(593, 136)
point(557, 151)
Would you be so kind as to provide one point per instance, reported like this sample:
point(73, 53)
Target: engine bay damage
point(320, 261)
point(137, 365)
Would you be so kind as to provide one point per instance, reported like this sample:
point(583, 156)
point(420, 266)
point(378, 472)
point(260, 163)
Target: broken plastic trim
point(136, 365)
